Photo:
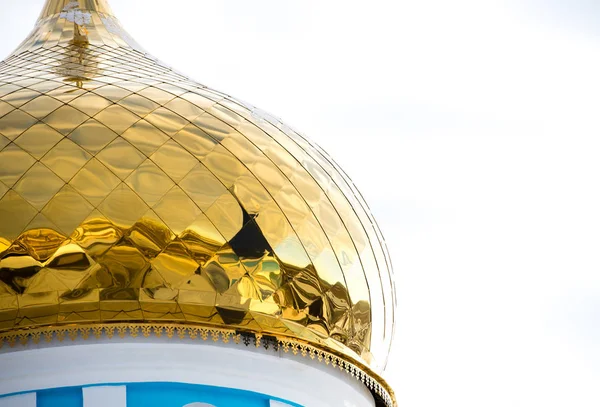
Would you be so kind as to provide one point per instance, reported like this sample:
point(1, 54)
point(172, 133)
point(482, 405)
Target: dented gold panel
point(129, 192)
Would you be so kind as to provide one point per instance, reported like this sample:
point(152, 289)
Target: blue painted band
point(159, 394)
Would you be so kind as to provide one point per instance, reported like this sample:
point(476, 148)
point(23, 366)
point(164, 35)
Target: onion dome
point(130, 194)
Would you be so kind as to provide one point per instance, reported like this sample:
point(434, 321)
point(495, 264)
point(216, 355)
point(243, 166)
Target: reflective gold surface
point(129, 192)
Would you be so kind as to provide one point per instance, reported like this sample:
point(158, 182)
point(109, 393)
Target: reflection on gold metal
point(129, 192)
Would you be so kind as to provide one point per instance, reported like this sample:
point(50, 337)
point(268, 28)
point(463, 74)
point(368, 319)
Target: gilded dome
point(129, 192)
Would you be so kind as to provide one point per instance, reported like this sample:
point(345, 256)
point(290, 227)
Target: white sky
point(472, 128)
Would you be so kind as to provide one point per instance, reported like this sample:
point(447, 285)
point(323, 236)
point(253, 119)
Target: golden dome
point(129, 192)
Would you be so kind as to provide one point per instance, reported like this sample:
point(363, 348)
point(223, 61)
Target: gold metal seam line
point(288, 345)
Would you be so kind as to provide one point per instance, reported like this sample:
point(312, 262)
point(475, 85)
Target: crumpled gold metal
point(129, 192)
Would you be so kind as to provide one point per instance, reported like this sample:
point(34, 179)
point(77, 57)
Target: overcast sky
point(472, 128)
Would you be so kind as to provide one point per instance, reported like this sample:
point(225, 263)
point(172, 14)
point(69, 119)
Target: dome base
point(126, 360)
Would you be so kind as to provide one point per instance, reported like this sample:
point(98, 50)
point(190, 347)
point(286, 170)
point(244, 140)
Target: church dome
point(130, 194)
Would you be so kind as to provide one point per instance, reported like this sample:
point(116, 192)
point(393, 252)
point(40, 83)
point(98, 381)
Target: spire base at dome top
point(53, 7)
point(70, 23)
